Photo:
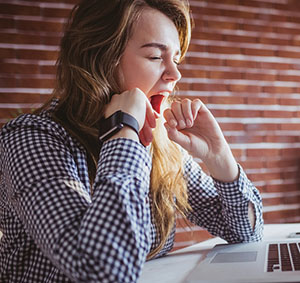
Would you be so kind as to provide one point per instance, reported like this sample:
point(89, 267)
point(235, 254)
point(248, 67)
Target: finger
point(170, 119)
point(146, 135)
point(142, 138)
point(196, 105)
point(177, 136)
point(151, 115)
point(187, 112)
point(177, 112)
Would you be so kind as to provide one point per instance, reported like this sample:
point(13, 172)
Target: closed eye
point(156, 58)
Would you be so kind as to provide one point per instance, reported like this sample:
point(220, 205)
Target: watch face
point(105, 136)
point(110, 126)
point(114, 123)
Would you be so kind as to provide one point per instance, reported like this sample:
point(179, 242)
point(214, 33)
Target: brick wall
point(243, 62)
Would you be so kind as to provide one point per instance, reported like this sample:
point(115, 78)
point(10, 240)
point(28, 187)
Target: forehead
point(154, 26)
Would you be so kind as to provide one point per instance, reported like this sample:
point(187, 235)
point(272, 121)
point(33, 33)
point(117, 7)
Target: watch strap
point(114, 123)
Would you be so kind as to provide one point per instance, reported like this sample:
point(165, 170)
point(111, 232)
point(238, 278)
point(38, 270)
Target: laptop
point(267, 261)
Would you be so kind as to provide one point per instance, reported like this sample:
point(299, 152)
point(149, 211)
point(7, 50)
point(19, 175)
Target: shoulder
point(30, 129)
point(31, 122)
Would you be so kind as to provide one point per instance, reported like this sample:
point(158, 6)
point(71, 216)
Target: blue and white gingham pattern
point(54, 231)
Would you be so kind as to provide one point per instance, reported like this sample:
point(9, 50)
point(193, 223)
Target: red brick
point(295, 152)
point(225, 75)
point(259, 76)
point(278, 89)
point(8, 82)
point(260, 28)
point(208, 87)
point(262, 100)
point(39, 26)
point(240, 38)
point(231, 126)
point(224, 49)
point(276, 65)
point(57, 13)
point(282, 188)
point(290, 127)
point(202, 35)
point(245, 88)
point(194, 73)
point(262, 152)
point(7, 23)
point(20, 97)
point(37, 54)
point(288, 54)
point(48, 69)
point(245, 113)
point(241, 63)
point(19, 9)
point(274, 216)
point(12, 68)
point(275, 41)
point(280, 139)
point(258, 52)
point(261, 127)
point(197, 48)
point(204, 61)
point(226, 100)
point(7, 53)
point(36, 83)
point(278, 114)
point(245, 139)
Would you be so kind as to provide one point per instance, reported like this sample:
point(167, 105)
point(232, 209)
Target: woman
point(76, 209)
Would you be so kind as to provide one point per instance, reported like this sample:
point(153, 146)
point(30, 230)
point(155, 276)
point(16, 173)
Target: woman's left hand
point(191, 125)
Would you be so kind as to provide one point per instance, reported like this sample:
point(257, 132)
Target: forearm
point(223, 166)
point(110, 231)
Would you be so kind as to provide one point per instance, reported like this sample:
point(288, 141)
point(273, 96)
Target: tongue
point(156, 101)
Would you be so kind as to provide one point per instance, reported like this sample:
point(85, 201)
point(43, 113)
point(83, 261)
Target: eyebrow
point(160, 46)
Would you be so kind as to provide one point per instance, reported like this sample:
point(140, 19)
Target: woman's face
point(151, 57)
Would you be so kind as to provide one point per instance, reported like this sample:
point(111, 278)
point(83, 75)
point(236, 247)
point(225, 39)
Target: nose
point(171, 73)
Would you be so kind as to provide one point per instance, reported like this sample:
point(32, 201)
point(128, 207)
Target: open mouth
point(156, 101)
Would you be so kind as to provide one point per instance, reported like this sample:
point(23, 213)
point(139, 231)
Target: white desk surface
point(174, 267)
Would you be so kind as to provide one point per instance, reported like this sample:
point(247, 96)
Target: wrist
point(223, 168)
point(127, 133)
point(116, 123)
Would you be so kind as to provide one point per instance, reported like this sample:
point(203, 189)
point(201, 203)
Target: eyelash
point(160, 58)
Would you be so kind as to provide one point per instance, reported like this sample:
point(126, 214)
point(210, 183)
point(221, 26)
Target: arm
point(222, 208)
point(191, 124)
point(87, 239)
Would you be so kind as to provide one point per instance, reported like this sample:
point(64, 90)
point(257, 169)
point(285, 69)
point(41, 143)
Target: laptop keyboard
point(283, 257)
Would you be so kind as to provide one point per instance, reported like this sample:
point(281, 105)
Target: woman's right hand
point(135, 103)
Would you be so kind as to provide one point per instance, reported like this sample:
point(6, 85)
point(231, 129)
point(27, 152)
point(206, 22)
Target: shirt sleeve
point(99, 239)
point(222, 208)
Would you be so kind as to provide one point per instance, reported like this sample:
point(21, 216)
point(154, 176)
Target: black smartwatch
point(114, 123)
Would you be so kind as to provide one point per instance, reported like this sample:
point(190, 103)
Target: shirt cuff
point(126, 157)
point(236, 192)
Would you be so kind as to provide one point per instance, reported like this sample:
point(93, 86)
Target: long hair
point(95, 38)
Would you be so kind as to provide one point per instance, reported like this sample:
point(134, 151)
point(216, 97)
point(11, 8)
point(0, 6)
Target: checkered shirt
point(55, 231)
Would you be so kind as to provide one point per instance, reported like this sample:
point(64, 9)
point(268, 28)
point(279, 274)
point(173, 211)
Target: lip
point(157, 99)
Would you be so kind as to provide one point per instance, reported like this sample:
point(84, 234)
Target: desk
point(174, 267)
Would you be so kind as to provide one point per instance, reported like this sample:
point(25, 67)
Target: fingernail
point(188, 122)
point(182, 124)
point(167, 127)
point(173, 123)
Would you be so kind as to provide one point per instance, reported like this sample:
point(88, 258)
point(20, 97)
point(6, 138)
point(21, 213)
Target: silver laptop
point(272, 261)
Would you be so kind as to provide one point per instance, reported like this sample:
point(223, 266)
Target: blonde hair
point(94, 41)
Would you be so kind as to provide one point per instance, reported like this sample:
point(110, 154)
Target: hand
point(191, 125)
point(135, 103)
